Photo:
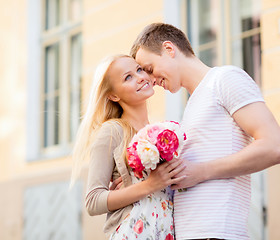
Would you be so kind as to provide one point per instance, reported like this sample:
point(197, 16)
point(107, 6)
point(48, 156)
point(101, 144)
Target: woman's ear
point(169, 48)
point(113, 97)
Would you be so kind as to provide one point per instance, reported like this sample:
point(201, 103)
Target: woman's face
point(131, 85)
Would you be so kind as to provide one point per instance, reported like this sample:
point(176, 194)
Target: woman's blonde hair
point(99, 110)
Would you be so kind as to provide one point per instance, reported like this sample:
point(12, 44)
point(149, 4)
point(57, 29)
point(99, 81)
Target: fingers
point(119, 186)
point(176, 171)
point(169, 170)
point(174, 187)
point(112, 186)
point(175, 182)
point(169, 173)
point(115, 184)
point(174, 163)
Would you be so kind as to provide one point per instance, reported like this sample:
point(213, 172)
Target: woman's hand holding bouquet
point(154, 144)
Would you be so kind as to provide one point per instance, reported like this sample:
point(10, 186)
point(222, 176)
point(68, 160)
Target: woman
point(142, 208)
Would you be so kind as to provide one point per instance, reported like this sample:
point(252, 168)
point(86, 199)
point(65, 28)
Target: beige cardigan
point(105, 162)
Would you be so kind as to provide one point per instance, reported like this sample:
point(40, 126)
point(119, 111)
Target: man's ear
point(169, 48)
point(113, 97)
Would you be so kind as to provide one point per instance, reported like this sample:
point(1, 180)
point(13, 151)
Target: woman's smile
point(144, 86)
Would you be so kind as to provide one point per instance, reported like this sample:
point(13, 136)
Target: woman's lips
point(146, 85)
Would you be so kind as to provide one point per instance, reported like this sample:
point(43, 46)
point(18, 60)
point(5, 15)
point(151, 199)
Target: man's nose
point(155, 81)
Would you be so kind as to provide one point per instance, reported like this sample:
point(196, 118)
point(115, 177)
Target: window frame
point(61, 34)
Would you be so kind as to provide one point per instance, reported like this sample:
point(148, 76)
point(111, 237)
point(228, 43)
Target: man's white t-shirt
point(216, 208)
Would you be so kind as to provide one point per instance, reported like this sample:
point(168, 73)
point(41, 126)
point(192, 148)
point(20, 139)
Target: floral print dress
point(151, 218)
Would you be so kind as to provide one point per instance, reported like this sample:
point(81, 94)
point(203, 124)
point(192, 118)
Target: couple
point(230, 134)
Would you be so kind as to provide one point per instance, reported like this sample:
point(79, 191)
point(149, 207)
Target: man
point(224, 113)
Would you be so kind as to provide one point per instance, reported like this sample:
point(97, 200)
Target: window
point(226, 32)
point(202, 28)
point(75, 86)
point(51, 95)
point(61, 43)
point(245, 36)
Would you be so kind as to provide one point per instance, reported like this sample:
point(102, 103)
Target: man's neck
point(193, 71)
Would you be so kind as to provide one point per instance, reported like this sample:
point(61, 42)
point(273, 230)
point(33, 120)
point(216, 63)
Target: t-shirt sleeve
point(236, 89)
point(101, 167)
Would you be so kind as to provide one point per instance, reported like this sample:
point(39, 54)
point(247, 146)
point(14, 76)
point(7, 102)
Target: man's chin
point(173, 90)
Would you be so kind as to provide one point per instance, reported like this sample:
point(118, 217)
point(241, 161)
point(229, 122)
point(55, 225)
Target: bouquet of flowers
point(153, 144)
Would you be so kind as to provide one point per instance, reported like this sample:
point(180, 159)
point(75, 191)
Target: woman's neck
point(137, 116)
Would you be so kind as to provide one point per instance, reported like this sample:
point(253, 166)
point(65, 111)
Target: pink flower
point(133, 159)
point(167, 144)
point(141, 134)
point(138, 174)
point(138, 227)
point(153, 133)
point(169, 237)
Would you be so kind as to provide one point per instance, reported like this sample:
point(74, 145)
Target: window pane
point(245, 15)
point(52, 13)
point(51, 96)
point(209, 57)
point(51, 68)
point(75, 9)
point(46, 125)
point(202, 21)
point(56, 123)
point(75, 84)
point(247, 55)
point(246, 50)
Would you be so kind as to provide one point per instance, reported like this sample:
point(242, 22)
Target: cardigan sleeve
point(101, 167)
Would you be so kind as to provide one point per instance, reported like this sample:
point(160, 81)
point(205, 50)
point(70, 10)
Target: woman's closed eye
point(149, 70)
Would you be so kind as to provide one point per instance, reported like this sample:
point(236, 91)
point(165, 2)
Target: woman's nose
point(140, 78)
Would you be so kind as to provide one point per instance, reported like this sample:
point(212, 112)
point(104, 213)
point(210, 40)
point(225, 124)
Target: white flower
point(148, 154)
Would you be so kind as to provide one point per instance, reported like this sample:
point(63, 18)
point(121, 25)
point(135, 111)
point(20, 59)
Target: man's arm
point(257, 121)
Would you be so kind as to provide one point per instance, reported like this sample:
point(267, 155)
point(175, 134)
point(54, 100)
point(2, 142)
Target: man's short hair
point(153, 35)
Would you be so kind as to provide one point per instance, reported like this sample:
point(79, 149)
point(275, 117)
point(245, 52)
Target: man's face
point(161, 68)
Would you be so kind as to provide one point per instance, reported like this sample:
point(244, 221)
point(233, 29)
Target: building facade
point(49, 52)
